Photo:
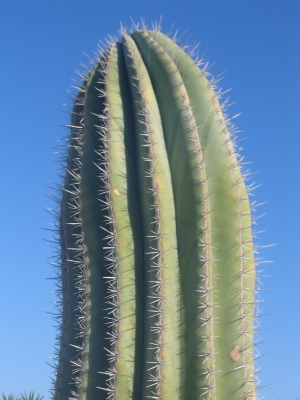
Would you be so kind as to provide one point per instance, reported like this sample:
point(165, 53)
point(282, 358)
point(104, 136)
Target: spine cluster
point(72, 273)
point(111, 245)
point(78, 259)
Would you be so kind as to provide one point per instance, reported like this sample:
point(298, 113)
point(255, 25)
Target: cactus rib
point(162, 349)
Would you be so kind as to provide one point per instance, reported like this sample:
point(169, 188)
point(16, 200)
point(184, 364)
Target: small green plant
point(23, 396)
point(9, 397)
point(30, 396)
point(156, 265)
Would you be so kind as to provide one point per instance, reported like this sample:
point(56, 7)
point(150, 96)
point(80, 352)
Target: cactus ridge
point(71, 257)
point(111, 245)
point(154, 168)
point(205, 345)
point(155, 379)
point(157, 270)
point(119, 261)
point(74, 245)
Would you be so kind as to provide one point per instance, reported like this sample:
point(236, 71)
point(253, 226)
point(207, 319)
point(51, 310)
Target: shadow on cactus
point(156, 262)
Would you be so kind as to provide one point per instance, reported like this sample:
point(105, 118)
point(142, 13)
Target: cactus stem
point(158, 291)
point(111, 249)
point(234, 164)
point(205, 305)
point(72, 214)
point(157, 252)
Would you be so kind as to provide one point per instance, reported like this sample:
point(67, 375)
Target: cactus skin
point(157, 260)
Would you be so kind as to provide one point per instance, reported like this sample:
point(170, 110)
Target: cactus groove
point(157, 267)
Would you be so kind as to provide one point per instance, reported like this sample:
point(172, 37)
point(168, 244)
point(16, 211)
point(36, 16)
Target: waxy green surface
point(69, 227)
point(165, 222)
point(232, 251)
point(160, 244)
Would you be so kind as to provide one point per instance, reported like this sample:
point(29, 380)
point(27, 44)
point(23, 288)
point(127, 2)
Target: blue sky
point(256, 44)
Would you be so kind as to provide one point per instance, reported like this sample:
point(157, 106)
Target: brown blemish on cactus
point(116, 192)
point(235, 354)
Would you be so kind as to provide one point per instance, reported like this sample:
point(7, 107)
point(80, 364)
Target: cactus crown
point(156, 262)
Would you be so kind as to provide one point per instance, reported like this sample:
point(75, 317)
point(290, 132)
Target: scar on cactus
point(235, 354)
point(116, 192)
point(157, 274)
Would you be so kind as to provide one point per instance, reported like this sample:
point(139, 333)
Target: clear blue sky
point(256, 43)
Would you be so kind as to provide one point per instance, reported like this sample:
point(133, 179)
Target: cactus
point(157, 268)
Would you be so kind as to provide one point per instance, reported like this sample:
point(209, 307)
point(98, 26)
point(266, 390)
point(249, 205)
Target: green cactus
point(157, 272)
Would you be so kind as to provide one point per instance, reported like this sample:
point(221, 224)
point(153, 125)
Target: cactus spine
point(157, 260)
